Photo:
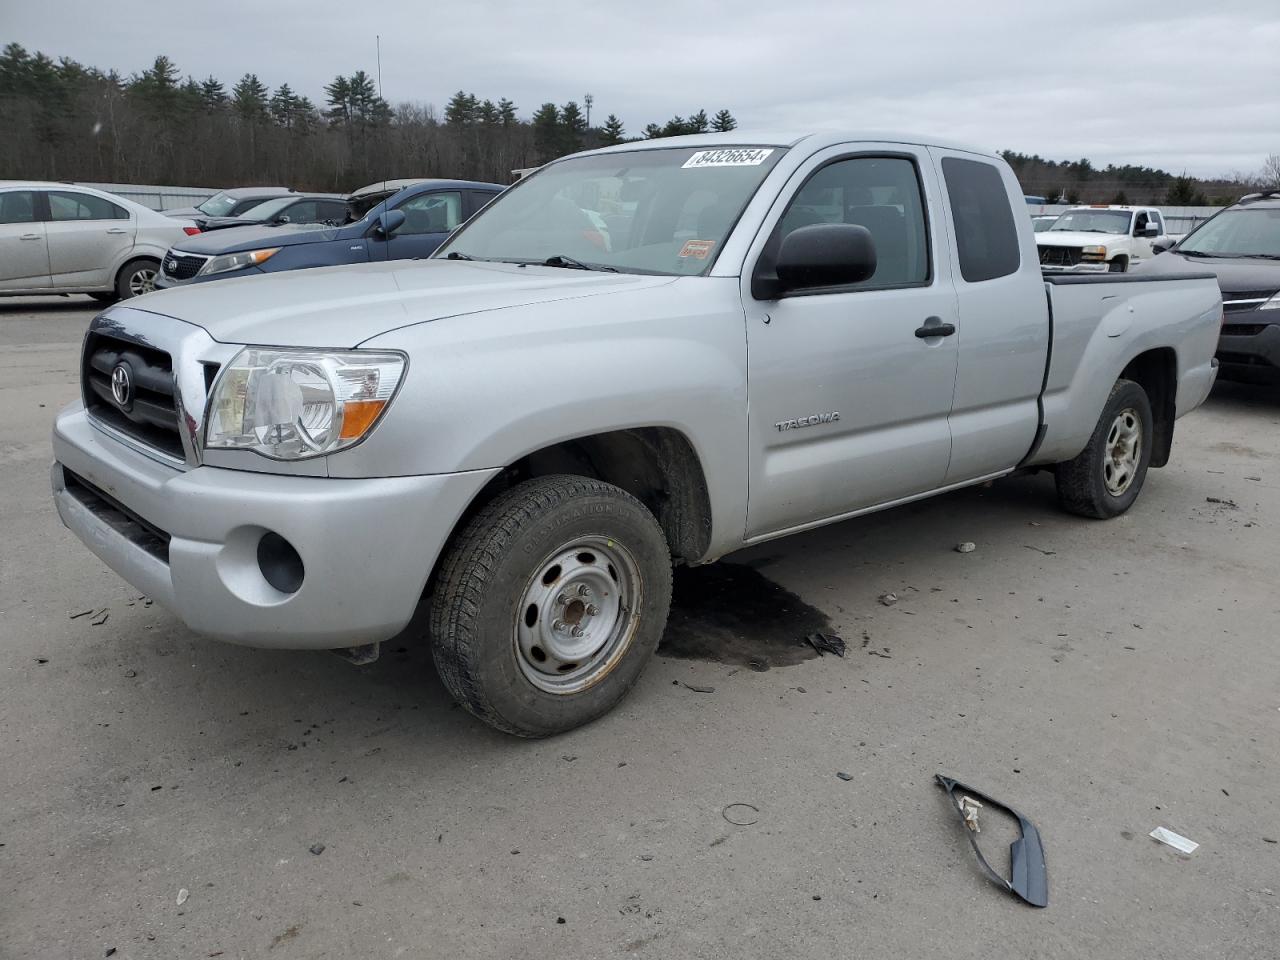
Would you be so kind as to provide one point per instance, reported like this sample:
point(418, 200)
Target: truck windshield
point(663, 211)
point(1238, 233)
point(1093, 221)
point(219, 205)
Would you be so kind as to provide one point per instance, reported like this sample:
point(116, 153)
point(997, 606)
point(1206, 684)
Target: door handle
point(30, 236)
point(934, 327)
point(116, 231)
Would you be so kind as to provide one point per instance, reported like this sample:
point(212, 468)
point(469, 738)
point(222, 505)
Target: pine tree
point(507, 112)
point(213, 96)
point(652, 132)
point(723, 122)
point(338, 93)
point(697, 123)
point(249, 97)
point(612, 132)
point(546, 132)
point(572, 126)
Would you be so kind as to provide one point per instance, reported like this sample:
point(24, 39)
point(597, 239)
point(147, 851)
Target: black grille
point(1231, 302)
point(1061, 256)
point(117, 516)
point(183, 267)
point(150, 413)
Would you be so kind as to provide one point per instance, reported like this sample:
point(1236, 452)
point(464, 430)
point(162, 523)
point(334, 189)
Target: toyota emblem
point(122, 386)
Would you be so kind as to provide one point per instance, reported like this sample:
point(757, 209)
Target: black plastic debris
point(844, 776)
point(696, 688)
point(1028, 878)
point(826, 643)
point(317, 848)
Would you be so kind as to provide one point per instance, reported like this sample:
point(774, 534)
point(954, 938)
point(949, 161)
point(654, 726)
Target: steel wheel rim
point(577, 614)
point(142, 281)
point(1122, 450)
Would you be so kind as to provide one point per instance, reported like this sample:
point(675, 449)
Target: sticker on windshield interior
point(732, 157)
point(697, 249)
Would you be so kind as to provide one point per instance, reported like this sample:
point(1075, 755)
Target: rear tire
point(1107, 476)
point(136, 278)
point(549, 605)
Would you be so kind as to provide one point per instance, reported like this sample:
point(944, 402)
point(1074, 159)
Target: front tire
point(1106, 477)
point(136, 278)
point(1118, 265)
point(549, 605)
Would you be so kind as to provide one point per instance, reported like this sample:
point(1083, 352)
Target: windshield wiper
point(560, 260)
point(1259, 256)
point(1199, 253)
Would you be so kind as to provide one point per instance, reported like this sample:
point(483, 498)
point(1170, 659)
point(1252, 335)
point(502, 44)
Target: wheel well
point(131, 261)
point(1156, 371)
point(656, 465)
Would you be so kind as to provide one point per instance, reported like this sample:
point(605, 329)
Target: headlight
point(237, 261)
point(1272, 304)
point(1094, 253)
point(296, 404)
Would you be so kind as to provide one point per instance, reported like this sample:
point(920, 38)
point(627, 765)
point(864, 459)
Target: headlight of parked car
point(296, 404)
point(1093, 253)
point(1272, 304)
point(237, 261)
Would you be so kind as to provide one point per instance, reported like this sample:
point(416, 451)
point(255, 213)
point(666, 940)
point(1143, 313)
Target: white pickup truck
point(658, 352)
point(1099, 239)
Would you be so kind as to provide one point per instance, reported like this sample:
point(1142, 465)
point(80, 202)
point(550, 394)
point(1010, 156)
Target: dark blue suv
point(394, 224)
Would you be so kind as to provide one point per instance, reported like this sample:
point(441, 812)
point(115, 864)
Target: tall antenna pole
point(378, 39)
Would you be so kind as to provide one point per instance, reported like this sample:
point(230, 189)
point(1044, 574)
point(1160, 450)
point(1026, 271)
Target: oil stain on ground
point(731, 613)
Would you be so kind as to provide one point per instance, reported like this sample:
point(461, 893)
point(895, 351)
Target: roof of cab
point(787, 138)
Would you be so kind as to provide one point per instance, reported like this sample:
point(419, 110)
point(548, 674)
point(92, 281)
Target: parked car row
point(61, 238)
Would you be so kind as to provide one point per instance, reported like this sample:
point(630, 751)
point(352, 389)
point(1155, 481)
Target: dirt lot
point(1103, 678)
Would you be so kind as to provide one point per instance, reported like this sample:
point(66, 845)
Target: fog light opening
point(279, 562)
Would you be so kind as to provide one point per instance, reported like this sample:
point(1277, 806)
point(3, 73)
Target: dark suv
point(1241, 244)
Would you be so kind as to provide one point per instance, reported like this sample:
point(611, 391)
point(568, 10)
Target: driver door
point(849, 396)
point(428, 219)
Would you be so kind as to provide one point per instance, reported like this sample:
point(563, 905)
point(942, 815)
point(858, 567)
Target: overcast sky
point(1180, 85)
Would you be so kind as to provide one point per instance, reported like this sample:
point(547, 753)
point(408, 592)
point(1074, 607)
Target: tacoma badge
point(809, 421)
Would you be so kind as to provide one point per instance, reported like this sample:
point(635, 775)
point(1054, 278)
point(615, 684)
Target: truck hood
point(1235, 274)
point(344, 306)
point(255, 235)
point(1068, 238)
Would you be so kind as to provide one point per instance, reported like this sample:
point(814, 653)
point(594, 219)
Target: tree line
point(1079, 181)
point(67, 121)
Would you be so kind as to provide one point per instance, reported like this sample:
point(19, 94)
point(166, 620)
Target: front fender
point(489, 388)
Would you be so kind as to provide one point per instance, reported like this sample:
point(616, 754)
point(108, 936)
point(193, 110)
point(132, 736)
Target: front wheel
point(550, 604)
point(1107, 476)
point(136, 278)
point(1118, 265)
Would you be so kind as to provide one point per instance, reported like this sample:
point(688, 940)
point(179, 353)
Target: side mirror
point(825, 255)
point(389, 223)
point(1160, 246)
point(1150, 230)
point(283, 218)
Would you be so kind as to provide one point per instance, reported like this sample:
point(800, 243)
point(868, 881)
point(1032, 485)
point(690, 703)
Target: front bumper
point(1090, 267)
point(1252, 353)
point(189, 539)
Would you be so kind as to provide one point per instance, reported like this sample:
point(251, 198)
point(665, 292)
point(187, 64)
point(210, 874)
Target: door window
point(431, 213)
point(332, 211)
point(18, 206)
point(65, 205)
point(986, 238)
point(302, 212)
point(1140, 223)
point(880, 193)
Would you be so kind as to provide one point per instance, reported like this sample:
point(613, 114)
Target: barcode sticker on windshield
point(732, 157)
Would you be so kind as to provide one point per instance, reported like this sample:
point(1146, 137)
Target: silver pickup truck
point(657, 352)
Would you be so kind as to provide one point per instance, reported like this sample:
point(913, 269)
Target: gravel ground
point(1103, 678)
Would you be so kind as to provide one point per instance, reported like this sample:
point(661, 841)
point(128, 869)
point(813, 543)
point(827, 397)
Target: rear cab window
point(986, 236)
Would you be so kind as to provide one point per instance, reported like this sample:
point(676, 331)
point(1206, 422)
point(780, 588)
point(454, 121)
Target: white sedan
point(59, 238)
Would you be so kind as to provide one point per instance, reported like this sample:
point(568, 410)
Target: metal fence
point(157, 197)
point(1177, 220)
